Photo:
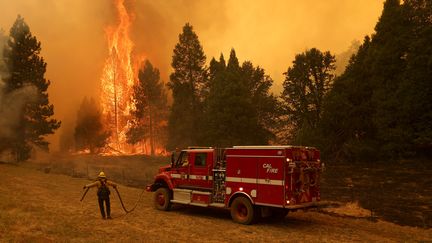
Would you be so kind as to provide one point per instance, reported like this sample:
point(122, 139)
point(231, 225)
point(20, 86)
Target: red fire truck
point(251, 181)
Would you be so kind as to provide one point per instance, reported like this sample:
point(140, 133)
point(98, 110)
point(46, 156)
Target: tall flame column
point(118, 79)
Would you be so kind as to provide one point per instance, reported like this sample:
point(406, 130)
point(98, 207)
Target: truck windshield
point(182, 160)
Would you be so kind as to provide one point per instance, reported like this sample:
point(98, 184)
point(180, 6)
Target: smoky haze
point(11, 107)
point(269, 33)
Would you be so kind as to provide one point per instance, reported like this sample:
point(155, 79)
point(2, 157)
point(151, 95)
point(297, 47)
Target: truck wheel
point(162, 199)
point(242, 211)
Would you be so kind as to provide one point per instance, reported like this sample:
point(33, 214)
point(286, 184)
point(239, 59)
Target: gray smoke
point(11, 107)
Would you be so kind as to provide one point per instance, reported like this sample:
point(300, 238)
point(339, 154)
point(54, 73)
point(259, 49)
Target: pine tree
point(214, 126)
point(150, 108)
point(226, 116)
point(415, 90)
point(388, 48)
point(27, 68)
point(265, 105)
point(305, 85)
point(239, 109)
point(346, 128)
point(89, 131)
point(188, 83)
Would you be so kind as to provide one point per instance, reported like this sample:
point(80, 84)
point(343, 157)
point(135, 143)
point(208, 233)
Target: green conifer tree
point(150, 112)
point(415, 90)
point(305, 85)
point(346, 128)
point(239, 108)
point(27, 68)
point(188, 83)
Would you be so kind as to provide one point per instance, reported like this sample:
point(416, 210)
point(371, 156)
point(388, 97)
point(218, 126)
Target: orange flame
point(117, 80)
point(117, 83)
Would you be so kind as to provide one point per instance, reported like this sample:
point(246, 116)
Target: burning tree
point(117, 79)
point(120, 111)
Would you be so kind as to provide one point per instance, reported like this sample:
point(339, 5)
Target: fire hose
point(120, 198)
point(85, 193)
point(123, 206)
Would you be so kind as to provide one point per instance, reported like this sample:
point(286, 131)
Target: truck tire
point(161, 199)
point(242, 211)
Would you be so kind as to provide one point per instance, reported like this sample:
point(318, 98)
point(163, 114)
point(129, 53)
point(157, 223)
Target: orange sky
point(269, 33)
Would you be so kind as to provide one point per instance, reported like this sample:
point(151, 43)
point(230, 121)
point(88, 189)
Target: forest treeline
point(378, 108)
point(381, 106)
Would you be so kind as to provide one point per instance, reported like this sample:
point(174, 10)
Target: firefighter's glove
point(84, 187)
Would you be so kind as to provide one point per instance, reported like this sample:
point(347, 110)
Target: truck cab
point(191, 170)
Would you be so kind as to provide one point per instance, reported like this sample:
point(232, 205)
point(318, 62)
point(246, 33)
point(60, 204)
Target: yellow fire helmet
point(102, 175)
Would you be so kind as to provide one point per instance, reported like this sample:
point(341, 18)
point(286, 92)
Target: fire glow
point(117, 81)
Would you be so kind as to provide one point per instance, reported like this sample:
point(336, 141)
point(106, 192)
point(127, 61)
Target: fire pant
point(101, 206)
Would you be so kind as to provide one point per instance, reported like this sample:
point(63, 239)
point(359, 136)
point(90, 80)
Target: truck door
point(270, 181)
point(181, 170)
point(201, 164)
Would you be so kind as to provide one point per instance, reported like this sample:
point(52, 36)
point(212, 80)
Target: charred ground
point(400, 192)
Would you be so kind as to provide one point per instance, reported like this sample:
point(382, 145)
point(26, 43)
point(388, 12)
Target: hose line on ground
point(120, 198)
point(121, 201)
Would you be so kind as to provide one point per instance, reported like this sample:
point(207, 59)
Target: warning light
point(241, 188)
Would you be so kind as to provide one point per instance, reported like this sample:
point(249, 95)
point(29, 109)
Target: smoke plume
point(11, 107)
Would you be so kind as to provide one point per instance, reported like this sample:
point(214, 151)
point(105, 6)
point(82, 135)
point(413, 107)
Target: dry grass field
point(396, 191)
point(44, 207)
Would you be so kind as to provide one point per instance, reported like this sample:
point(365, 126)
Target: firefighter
point(103, 193)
